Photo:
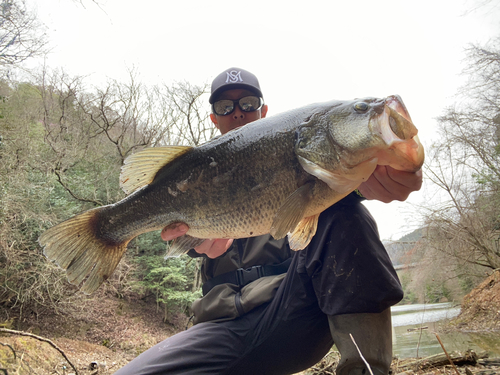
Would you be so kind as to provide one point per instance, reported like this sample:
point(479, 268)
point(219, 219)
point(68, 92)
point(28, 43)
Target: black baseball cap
point(234, 78)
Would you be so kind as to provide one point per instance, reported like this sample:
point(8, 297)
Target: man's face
point(238, 117)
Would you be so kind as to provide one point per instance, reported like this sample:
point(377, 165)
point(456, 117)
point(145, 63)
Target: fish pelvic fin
point(182, 245)
point(140, 169)
point(303, 233)
point(292, 211)
point(73, 246)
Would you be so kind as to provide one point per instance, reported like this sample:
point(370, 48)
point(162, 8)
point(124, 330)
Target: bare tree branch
point(40, 338)
point(66, 187)
point(21, 34)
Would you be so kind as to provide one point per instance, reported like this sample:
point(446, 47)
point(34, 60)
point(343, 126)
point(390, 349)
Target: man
point(268, 310)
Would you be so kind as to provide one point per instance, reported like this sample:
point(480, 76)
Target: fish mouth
point(400, 135)
point(396, 123)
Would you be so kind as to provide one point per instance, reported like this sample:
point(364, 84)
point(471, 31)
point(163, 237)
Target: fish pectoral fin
point(182, 245)
point(291, 211)
point(341, 183)
point(139, 169)
point(303, 233)
point(73, 246)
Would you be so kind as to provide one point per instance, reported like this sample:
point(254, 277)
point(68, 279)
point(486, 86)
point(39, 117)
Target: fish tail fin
point(74, 246)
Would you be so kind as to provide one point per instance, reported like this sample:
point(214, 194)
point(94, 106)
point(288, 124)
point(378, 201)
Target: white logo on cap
point(234, 76)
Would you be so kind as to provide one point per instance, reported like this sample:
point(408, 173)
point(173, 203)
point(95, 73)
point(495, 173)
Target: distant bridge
point(406, 266)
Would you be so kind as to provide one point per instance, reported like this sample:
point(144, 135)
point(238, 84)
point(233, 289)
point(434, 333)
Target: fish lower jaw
point(405, 156)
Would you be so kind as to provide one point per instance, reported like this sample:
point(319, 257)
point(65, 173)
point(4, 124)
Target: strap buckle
point(246, 276)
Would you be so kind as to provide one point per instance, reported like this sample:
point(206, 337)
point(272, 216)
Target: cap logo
point(233, 76)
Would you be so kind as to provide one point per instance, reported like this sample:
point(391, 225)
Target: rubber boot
point(373, 335)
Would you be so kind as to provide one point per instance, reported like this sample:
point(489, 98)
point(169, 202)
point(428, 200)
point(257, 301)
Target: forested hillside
point(61, 152)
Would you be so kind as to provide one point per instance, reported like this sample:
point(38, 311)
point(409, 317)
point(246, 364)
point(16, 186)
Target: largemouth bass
point(275, 175)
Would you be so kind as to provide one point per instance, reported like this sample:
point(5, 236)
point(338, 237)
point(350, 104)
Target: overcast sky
point(302, 52)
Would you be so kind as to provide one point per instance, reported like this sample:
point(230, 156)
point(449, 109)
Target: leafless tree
point(133, 115)
point(465, 165)
point(186, 111)
point(21, 34)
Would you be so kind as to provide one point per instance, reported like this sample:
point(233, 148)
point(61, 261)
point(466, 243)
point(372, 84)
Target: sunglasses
point(225, 107)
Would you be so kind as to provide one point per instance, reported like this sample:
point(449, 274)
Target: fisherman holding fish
point(269, 310)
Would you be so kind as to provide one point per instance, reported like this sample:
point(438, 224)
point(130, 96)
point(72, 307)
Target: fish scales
point(179, 192)
point(275, 175)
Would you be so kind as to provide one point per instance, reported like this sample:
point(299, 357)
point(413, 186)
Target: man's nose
point(238, 114)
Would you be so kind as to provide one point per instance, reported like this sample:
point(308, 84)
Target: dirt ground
point(98, 335)
point(102, 333)
point(481, 307)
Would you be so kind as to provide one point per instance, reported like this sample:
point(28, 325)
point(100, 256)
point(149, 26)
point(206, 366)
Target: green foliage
point(53, 166)
point(467, 283)
point(409, 294)
point(27, 280)
point(437, 292)
point(170, 280)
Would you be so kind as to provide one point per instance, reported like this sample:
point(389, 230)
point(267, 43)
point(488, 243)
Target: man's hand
point(212, 248)
point(387, 184)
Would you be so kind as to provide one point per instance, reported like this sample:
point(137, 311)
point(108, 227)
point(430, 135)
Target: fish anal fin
point(182, 245)
point(303, 233)
point(139, 169)
point(74, 246)
point(292, 211)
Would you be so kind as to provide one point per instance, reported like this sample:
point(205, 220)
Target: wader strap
point(242, 276)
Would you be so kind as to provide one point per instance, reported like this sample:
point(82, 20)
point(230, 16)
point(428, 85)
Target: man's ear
point(263, 111)
point(214, 120)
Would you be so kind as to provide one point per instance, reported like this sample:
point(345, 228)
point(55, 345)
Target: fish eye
point(361, 107)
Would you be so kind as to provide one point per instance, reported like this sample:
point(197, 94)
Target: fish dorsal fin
point(303, 233)
point(139, 169)
point(291, 211)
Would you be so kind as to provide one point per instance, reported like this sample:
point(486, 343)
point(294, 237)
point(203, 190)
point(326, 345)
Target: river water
point(411, 341)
